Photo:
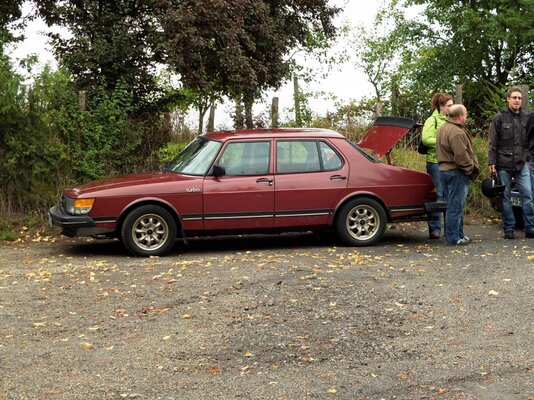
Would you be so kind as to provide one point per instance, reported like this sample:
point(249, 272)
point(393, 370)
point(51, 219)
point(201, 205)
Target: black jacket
point(530, 135)
point(508, 146)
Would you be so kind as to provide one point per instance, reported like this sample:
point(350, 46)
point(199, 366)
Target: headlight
point(78, 206)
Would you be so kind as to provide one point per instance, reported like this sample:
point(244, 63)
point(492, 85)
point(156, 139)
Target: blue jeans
point(523, 183)
point(456, 184)
point(434, 224)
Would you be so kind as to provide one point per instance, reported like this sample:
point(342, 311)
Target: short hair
point(514, 89)
point(439, 99)
point(457, 110)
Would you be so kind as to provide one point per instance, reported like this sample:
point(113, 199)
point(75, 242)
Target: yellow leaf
point(249, 354)
point(332, 390)
point(186, 316)
point(87, 346)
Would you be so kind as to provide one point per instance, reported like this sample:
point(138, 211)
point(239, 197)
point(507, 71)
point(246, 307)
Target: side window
point(330, 158)
point(295, 156)
point(246, 158)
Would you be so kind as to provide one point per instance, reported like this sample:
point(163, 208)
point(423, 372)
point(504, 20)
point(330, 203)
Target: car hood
point(128, 183)
point(386, 132)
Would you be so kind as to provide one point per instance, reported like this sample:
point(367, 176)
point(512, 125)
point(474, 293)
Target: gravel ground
point(276, 317)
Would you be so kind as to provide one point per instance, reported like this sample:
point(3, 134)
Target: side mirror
point(218, 171)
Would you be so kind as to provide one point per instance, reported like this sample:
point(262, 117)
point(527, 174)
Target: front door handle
point(338, 178)
point(265, 180)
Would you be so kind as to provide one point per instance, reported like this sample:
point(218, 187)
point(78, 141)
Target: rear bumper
point(74, 225)
point(435, 206)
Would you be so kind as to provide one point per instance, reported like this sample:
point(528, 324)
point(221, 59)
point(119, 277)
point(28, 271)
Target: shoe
point(461, 242)
point(467, 239)
point(434, 235)
point(509, 235)
point(529, 235)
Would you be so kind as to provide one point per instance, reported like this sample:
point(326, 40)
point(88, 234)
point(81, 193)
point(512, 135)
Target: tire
point(361, 222)
point(149, 231)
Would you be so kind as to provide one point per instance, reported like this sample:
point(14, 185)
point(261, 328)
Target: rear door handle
point(265, 180)
point(338, 178)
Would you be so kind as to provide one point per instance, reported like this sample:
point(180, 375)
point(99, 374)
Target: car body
point(251, 181)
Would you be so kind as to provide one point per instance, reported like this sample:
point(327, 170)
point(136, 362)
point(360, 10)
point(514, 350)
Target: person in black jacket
point(530, 138)
point(507, 158)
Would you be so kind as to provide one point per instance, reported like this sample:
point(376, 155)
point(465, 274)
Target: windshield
point(196, 158)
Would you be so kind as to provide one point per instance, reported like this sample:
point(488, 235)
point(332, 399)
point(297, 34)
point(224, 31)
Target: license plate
point(516, 201)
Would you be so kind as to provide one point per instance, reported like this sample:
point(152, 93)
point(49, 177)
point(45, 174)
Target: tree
point(484, 45)
point(239, 48)
point(109, 42)
point(10, 11)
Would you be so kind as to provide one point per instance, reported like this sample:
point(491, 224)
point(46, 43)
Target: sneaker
point(509, 235)
point(461, 242)
point(467, 239)
point(434, 235)
point(529, 235)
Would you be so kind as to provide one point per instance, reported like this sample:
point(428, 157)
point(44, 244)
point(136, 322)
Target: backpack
point(421, 148)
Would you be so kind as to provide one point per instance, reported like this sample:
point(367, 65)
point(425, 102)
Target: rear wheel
point(361, 222)
point(149, 231)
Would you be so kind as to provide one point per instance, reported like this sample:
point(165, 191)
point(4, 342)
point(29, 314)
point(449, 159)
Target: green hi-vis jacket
point(430, 128)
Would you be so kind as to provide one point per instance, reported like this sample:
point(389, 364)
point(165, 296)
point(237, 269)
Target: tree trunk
point(239, 121)
point(248, 115)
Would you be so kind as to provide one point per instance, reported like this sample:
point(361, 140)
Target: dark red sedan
point(268, 180)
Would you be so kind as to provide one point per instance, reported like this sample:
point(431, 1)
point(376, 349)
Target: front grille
point(63, 202)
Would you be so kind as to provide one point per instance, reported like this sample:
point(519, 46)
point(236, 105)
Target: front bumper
point(74, 225)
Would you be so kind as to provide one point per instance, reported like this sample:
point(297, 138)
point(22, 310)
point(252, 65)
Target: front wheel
point(149, 231)
point(361, 222)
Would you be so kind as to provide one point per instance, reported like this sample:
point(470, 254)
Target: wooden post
point(211, 118)
point(82, 100)
point(298, 120)
point(274, 113)
point(524, 101)
point(459, 95)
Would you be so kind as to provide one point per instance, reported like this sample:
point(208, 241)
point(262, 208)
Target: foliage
point(110, 44)
point(10, 12)
point(170, 150)
point(240, 48)
point(47, 142)
point(486, 46)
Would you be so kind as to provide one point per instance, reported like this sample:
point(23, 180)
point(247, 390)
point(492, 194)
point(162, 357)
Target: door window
point(246, 158)
point(297, 156)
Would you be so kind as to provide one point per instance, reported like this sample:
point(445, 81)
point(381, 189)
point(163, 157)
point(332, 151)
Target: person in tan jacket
point(458, 164)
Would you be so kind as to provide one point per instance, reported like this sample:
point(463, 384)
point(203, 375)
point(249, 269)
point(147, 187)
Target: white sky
point(345, 81)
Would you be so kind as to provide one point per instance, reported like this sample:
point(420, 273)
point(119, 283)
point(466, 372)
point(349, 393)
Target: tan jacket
point(454, 150)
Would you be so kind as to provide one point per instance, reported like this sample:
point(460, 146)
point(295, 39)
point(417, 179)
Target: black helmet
point(491, 187)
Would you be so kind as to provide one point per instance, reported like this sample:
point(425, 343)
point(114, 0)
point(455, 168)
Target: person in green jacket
point(440, 104)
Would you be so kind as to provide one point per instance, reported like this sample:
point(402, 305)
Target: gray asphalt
point(277, 317)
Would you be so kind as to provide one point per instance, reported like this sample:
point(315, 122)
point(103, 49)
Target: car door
point(311, 177)
point(243, 198)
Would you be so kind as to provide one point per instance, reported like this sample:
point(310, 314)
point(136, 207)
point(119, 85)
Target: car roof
point(269, 133)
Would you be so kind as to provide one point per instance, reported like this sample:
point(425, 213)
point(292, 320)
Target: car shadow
point(84, 247)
